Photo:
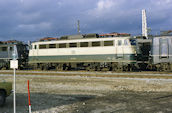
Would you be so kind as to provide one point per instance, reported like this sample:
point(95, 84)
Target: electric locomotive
point(6, 51)
point(89, 52)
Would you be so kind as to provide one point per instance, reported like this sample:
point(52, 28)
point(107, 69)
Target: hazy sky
point(33, 19)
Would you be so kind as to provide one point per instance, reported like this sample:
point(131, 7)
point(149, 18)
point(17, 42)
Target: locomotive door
point(35, 52)
point(119, 50)
point(164, 49)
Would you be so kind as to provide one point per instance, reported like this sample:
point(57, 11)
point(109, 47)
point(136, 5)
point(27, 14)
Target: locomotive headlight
point(135, 53)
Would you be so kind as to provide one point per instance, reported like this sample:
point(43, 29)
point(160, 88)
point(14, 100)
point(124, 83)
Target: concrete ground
point(67, 94)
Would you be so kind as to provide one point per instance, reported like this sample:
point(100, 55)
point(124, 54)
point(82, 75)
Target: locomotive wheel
point(97, 68)
point(59, 67)
point(163, 67)
point(2, 98)
point(87, 68)
point(119, 69)
point(158, 67)
point(90, 69)
point(143, 66)
point(69, 67)
point(43, 68)
point(125, 68)
point(115, 69)
point(64, 67)
point(166, 67)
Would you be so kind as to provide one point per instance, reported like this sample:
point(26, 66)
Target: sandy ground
point(54, 94)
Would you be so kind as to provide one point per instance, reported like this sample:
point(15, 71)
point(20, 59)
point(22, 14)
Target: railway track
point(151, 75)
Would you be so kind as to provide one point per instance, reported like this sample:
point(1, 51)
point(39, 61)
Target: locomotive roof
point(82, 40)
point(163, 36)
point(11, 42)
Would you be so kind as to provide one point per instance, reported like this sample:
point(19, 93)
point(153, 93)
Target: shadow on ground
point(112, 102)
point(128, 102)
point(41, 101)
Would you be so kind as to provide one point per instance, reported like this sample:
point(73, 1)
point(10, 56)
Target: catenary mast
point(144, 24)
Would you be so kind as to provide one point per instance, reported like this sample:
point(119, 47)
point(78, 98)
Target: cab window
point(133, 41)
point(119, 42)
point(126, 42)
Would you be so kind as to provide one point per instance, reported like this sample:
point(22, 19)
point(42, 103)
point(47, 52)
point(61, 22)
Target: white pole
point(29, 108)
point(14, 65)
point(14, 90)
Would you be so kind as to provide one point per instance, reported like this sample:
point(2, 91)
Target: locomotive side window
point(52, 45)
point(108, 43)
point(4, 48)
point(63, 45)
point(119, 42)
point(43, 46)
point(95, 44)
point(72, 45)
point(84, 44)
